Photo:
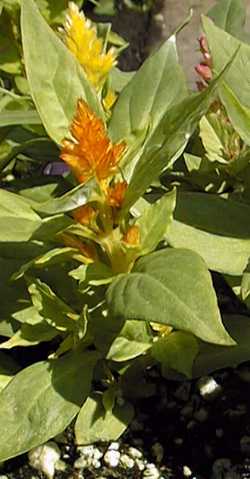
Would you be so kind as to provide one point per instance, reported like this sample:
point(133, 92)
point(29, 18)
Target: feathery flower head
point(90, 153)
point(81, 39)
point(132, 236)
point(84, 214)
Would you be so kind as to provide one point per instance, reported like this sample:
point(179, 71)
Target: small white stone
point(82, 463)
point(141, 464)
point(97, 454)
point(44, 458)
point(127, 461)
point(134, 453)
point(114, 446)
point(96, 464)
point(86, 451)
point(187, 471)
point(208, 387)
point(112, 458)
point(151, 472)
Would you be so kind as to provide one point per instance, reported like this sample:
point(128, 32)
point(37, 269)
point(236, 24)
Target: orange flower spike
point(132, 236)
point(90, 153)
point(84, 215)
point(116, 193)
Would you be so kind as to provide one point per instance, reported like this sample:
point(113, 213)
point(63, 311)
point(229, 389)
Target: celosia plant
point(105, 271)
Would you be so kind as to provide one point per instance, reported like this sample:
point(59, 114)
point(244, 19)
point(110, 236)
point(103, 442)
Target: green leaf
point(55, 311)
point(173, 287)
point(163, 85)
point(138, 112)
point(230, 15)
point(176, 351)
point(29, 315)
point(213, 357)
point(10, 60)
point(78, 196)
point(8, 368)
point(17, 220)
point(95, 424)
point(216, 228)
point(51, 257)
point(17, 117)
point(155, 221)
point(211, 141)
point(169, 140)
point(59, 81)
point(234, 96)
point(30, 335)
point(41, 401)
point(132, 341)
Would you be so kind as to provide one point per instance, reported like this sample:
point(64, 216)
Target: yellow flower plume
point(90, 153)
point(81, 39)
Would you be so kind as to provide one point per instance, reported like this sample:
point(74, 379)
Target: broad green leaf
point(17, 220)
point(59, 81)
point(132, 341)
point(237, 113)
point(8, 368)
point(29, 315)
point(51, 227)
point(245, 286)
point(211, 141)
point(53, 256)
point(41, 401)
point(138, 111)
point(119, 79)
point(10, 60)
point(19, 117)
point(55, 311)
point(173, 287)
point(30, 335)
point(78, 196)
point(154, 222)
point(216, 228)
point(230, 15)
point(212, 357)
point(176, 351)
point(169, 140)
point(163, 85)
point(95, 274)
point(95, 424)
point(11, 294)
point(234, 96)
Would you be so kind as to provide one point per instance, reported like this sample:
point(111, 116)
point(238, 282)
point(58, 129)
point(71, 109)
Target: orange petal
point(90, 153)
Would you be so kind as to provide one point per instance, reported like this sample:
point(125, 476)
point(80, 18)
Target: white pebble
point(141, 464)
point(44, 458)
point(208, 387)
point(112, 458)
point(151, 472)
point(134, 453)
point(96, 464)
point(187, 471)
point(127, 461)
point(86, 451)
point(114, 446)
